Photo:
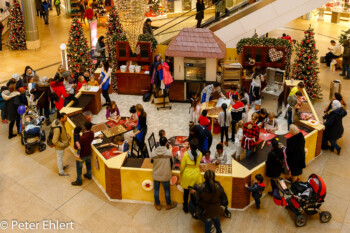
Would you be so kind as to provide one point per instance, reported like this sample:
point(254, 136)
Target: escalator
point(241, 20)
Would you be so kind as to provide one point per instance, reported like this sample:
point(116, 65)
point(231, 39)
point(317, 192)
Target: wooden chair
point(152, 142)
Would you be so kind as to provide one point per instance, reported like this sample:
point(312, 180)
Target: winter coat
point(334, 123)
point(42, 91)
point(60, 137)
point(19, 83)
point(167, 79)
point(257, 189)
point(346, 53)
point(296, 152)
point(45, 6)
point(147, 29)
point(161, 157)
point(274, 163)
point(190, 173)
point(200, 10)
point(60, 91)
point(13, 101)
point(210, 202)
point(38, 5)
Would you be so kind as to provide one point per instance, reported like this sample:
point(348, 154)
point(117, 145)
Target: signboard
point(93, 33)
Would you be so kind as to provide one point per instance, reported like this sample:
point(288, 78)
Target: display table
point(88, 99)
point(214, 110)
point(122, 178)
point(133, 83)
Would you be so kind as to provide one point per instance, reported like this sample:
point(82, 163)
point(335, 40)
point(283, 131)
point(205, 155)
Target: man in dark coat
point(147, 28)
point(295, 152)
point(334, 126)
point(11, 96)
point(274, 163)
point(203, 136)
point(200, 12)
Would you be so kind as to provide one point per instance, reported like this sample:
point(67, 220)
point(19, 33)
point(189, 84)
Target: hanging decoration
point(131, 16)
point(275, 55)
point(268, 42)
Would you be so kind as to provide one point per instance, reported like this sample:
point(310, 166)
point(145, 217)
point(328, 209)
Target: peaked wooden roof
point(196, 42)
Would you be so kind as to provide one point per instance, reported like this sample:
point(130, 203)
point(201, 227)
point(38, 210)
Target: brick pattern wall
point(319, 142)
point(240, 194)
point(113, 183)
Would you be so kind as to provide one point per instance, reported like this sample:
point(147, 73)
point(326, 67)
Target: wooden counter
point(88, 100)
point(133, 83)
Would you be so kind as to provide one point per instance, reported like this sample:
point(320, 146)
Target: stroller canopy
point(318, 186)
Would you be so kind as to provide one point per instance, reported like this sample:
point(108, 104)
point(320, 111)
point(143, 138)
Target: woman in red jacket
point(58, 88)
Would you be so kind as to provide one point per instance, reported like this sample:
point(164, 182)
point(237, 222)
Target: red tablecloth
point(109, 154)
point(180, 139)
point(265, 136)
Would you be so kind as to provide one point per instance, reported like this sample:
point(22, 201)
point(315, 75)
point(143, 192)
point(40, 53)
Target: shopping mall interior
point(117, 198)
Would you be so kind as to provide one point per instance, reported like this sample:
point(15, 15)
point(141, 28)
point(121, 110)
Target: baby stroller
point(32, 134)
point(303, 198)
point(196, 211)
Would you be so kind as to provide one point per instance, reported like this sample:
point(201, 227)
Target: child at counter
point(262, 117)
point(161, 134)
point(220, 155)
point(93, 81)
point(76, 138)
point(112, 112)
point(206, 159)
point(232, 91)
point(134, 116)
point(238, 140)
point(120, 143)
point(88, 77)
point(270, 124)
point(195, 109)
point(257, 189)
point(203, 119)
point(246, 110)
point(81, 82)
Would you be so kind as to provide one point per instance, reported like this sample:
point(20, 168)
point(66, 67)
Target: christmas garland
point(268, 42)
point(142, 37)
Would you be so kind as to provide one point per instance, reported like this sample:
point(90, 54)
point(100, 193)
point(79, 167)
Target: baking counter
point(133, 83)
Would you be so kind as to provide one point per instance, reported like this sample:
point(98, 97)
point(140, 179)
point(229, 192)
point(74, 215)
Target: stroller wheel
point(325, 216)
point(29, 150)
point(42, 147)
point(300, 220)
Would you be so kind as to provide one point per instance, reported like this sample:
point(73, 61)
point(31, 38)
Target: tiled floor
point(31, 190)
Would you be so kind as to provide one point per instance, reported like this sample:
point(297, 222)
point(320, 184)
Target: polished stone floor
point(31, 190)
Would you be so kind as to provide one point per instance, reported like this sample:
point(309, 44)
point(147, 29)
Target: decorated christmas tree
point(306, 67)
point(17, 37)
point(114, 27)
point(78, 52)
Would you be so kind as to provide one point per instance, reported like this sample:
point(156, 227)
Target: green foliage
point(305, 66)
point(114, 28)
point(142, 37)
point(344, 36)
point(268, 42)
point(17, 38)
point(78, 51)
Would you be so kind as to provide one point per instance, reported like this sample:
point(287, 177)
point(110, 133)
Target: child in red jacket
point(81, 82)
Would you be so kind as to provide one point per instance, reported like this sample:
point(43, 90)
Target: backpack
point(57, 2)
point(146, 97)
point(49, 138)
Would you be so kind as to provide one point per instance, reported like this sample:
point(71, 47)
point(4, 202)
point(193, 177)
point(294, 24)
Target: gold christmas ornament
point(131, 17)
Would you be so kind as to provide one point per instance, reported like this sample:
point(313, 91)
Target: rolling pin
point(262, 146)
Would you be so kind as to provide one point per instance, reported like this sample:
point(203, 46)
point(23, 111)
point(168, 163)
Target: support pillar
point(30, 24)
